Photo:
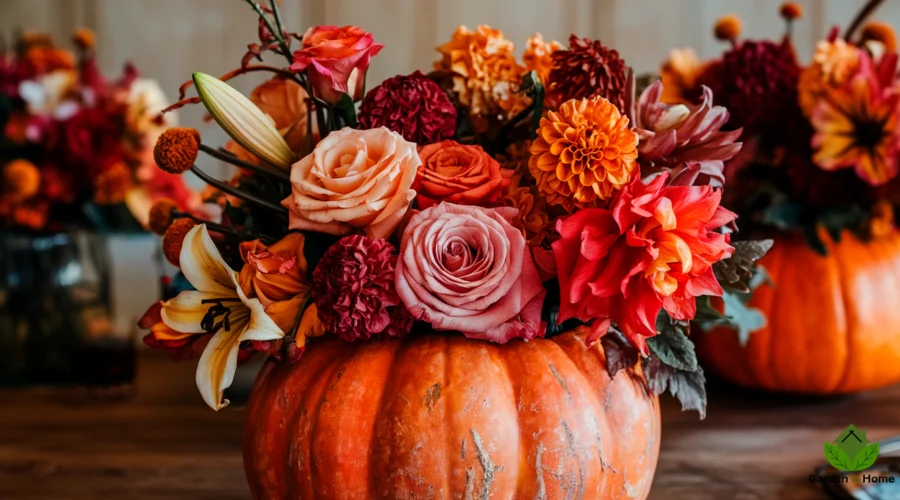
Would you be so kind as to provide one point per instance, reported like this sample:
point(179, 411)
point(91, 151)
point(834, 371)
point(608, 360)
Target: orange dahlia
point(485, 71)
point(538, 55)
point(584, 154)
point(833, 64)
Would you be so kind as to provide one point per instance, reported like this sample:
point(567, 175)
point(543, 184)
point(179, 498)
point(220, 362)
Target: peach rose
point(468, 269)
point(335, 60)
point(354, 179)
point(458, 173)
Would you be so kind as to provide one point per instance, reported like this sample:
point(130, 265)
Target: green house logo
point(851, 450)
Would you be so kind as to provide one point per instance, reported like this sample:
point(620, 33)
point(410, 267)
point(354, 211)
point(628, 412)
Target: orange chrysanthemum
point(584, 154)
point(176, 149)
point(162, 215)
point(173, 239)
point(679, 76)
point(791, 11)
point(538, 55)
point(881, 222)
point(84, 39)
point(21, 179)
point(112, 184)
point(728, 28)
point(832, 66)
point(532, 218)
point(485, 71)
point(881, 32)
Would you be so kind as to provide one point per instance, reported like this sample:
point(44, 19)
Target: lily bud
point(243, 121)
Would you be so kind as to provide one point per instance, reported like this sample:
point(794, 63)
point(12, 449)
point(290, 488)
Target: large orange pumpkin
point(833, 321)
point(445, 417)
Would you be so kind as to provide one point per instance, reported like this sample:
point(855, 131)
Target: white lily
point(218, 306)
point(244, 121)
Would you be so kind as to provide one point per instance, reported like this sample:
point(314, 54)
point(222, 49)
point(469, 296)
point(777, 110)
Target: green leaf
point(657, 374)
point(837, 457)
point(735, 272)
point(745, 320)
point(346, 110)
point(690, 390)
point(672, 346)
point(708, 316)
point(533, 88)
point(866, 457)
point(620, 354)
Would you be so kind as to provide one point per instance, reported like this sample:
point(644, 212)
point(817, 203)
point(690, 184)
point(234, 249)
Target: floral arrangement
point(75, 147)
point(494, 198)
point(820, 141)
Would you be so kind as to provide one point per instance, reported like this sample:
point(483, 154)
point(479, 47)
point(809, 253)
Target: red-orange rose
point(458, 173)
point(653, 249)
point(335, 60)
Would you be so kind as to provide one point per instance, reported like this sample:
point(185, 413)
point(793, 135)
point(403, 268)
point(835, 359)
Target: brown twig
point(228, 157)
point(237, 193)
point(861, 16)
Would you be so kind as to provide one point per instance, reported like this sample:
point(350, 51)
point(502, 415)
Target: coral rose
point(653, 249)
point(458, 173)
point(468, 269)
point(354, 179)
point(276, 275)
point(335, 60)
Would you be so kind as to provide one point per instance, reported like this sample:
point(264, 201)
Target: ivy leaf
point(690, 389)
point(620, 354)
point(672, 345)
point(745, 320)
point(735, 272)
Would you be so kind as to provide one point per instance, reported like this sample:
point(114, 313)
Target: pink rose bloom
point(468, 269)
point(335, 60)
point(354, 179)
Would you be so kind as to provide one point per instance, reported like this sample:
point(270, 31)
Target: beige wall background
point(169, 39)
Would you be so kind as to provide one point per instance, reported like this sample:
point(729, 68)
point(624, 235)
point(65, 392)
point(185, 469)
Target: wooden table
point(165, 444)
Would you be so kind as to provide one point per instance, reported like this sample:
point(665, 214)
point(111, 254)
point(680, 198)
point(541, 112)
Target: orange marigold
point(173, 239)
point(21, 179)
point(485, 71)
point(162, 215)
point(176, 149)
point(791, 11)
point(881, 221)
point(112, 184)
point(538, 55)
point(728, 28)
point(881, 32)
point(532, 218)
point(84, 39)
point(832, 65)
point(584, 154)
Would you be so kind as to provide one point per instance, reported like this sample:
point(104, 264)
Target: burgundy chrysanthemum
point(756, 81)
point(587, 69)
point(414, 106)
point(353, 288)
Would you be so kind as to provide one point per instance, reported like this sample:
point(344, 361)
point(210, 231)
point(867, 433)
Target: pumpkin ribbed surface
point(445, 417)
point(833, 321)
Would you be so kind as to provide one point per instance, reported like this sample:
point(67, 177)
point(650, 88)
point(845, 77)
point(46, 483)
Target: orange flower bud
point(21, 178)
point(84, 39)
point(791, 11)
point(880, 32)
point(728, 28)
point(162, 215)
point(174, 239)
point(177, 149)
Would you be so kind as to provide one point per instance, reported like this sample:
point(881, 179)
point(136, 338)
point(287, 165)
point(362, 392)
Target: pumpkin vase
point(440, 416)
point(833, 321)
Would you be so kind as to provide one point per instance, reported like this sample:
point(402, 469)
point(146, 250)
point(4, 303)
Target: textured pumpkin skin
point(833, 321)
point(445, 417)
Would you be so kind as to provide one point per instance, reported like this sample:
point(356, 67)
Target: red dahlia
point(353, 287)
point(756, 81)
point(587, 69)
point(414, 106)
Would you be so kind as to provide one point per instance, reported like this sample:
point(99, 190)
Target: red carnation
point(587, 69)
point(756, 82)
point(414, 106)
point(354, 289)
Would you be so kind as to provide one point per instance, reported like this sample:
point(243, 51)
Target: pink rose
point(354, 179)
point(335, 60)
point(468, 268)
